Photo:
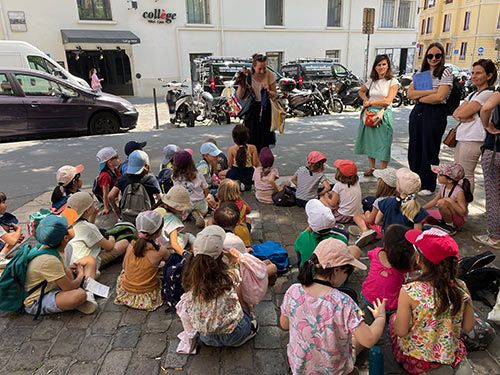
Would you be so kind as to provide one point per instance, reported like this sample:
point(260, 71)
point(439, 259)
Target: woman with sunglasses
point(69, 181)
point(428, 118)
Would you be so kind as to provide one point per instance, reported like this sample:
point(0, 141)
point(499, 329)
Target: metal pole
point(366, 55)
point(156, 109)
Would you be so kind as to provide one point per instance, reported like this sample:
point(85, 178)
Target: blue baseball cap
point(136, 162)
point(51, 230)
point(210, 149)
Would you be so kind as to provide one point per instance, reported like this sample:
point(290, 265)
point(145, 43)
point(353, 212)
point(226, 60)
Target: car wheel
point(104, 123)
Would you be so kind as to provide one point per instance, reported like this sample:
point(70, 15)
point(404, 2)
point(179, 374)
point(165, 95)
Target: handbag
point(373, 118)
point(284, 197)
point(451, 139)
point(278, 111)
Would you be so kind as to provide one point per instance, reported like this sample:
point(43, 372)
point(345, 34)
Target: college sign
point(159, 16)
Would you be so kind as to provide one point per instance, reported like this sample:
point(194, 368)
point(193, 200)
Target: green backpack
point(12, 281)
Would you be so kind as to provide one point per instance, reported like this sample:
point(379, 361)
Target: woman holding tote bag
point(374, 137)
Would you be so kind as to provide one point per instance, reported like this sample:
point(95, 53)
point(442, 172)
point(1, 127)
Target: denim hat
point(132, 146)
point(210, 149)
point(104, 155)
point(51, 230)
point(137, 161)
point(169, 152)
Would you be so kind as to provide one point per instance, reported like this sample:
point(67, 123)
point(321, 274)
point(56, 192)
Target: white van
point(16, 54)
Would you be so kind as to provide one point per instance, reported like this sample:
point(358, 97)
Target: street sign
point(455, 52)
point(480, 50)
point(368, 20)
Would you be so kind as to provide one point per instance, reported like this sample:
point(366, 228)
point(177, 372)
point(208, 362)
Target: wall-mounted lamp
point(101, 56)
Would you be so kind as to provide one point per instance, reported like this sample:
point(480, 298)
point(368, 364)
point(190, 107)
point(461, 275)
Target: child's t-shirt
point(382, 282)
point(307, 241)
point(308, 183)
point(393, 215)
point(86, 241)
point(43, 268)
point(170, 223)
point(321, 331)
point(264, 187)
point(107, 178)
point(195, 187)
point(350, 198)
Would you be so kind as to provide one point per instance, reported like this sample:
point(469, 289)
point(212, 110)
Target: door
point(51, 107)
point(403, 60)
point(13, 120)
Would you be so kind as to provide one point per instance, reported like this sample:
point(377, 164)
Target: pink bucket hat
point(452, 170)
point(334, 253)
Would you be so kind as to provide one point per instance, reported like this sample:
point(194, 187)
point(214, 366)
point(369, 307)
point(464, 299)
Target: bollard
point(156, 109)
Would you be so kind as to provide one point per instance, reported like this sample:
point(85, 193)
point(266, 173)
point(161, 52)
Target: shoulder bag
point(372, 116)
point(278, 112)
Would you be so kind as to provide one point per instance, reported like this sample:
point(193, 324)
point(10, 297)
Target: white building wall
point(237, 28)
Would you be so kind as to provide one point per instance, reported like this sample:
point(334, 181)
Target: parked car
point(36, 103)
point(318, 70)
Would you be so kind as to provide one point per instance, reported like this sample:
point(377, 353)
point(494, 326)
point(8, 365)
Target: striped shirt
point(308, 183)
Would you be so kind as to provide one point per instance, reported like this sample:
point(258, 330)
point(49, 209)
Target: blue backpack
point(274, 252)
point(165, 180)
point(12, 292)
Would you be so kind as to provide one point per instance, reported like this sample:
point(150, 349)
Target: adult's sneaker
point(487, 240)
point(425, 193)
point(366, 238)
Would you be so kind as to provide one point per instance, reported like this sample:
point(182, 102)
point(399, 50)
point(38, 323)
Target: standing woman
point(377, 94)
point(428, 118)
point(95, 81)
point(261, 83)
point(470, 133)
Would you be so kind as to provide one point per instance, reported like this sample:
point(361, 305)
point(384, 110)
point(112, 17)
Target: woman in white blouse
point(377, 94)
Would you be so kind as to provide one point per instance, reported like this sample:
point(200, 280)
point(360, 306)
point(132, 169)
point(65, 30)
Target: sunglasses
point(430, 56)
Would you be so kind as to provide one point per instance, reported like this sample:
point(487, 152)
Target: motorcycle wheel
point(335, 106)
point(397, 101)
point(191, 118)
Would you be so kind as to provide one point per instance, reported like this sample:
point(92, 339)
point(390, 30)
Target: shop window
point(446, 22)
point(94, 10)
point(198, 11)
point(334, 13)
point(463, 51)
point(448, 50)
point(398, 14)
point(333, 54)
point(467, 21)
point(274, 12)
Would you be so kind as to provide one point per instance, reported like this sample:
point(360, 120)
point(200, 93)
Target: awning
point(99, 36)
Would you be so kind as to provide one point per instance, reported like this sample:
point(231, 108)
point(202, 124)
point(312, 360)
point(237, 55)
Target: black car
point(319, 71)
point(36, 103)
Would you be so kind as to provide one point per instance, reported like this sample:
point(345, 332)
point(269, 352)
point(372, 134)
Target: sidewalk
point(118, 340)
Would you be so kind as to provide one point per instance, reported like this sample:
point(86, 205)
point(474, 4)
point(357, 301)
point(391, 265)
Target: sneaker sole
point(365, 240)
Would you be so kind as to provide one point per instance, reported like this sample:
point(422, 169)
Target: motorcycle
point(332, 102)
point(320, 106)
point(347, 92)
point(181, 105)
point(203, 102)
point(301, 103)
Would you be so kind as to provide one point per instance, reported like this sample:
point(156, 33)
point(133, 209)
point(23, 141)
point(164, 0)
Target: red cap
point(315, 157)
point(347, 167)
point(434, 244)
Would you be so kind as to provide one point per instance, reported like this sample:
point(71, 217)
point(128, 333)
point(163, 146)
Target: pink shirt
point(382, 281)
point(263, 185)
point(320, 331)
point(96, 82)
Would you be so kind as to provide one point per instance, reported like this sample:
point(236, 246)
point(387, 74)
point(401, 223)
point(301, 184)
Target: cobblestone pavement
point(118, 340)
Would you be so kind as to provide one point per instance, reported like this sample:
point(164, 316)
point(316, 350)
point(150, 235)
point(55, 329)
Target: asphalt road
point(28, 168)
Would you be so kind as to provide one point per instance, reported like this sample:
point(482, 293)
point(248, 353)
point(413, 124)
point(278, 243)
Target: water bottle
point(376, 361)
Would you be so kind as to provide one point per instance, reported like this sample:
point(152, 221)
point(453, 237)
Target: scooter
point(180, 104)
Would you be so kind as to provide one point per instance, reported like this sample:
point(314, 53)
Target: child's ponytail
point(141, 245)
point(466, 187)
point(240, 137)
point(57, 194)
point(409, 206)
point(307, 270)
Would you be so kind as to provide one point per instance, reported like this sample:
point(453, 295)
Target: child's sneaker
point(253, 332)
point(442, 226)
point(365, 238)
point(90, 306)
point(354, 230)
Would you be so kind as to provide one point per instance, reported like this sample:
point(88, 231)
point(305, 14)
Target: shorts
point(339, 218)
point(49, 305)
point(457, 220)
point(235, 338)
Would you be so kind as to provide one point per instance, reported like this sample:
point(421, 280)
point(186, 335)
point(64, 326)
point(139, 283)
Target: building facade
point(134, 43)
point(468, 29)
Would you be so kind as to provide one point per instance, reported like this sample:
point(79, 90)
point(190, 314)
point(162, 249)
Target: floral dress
point(433, 340)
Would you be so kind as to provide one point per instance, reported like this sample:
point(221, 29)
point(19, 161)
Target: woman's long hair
point(207, 278)
point(425, 63)
point(378, 59)
point(443, 278)
point(240, 137)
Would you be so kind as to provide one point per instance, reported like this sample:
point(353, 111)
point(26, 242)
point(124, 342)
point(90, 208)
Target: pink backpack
point(254, 279)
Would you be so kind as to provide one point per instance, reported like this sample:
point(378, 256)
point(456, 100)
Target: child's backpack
point(12, 292)
point(480, 337)
point(135, 199)
point(171, 288)
point(274, 252)
point(96, 188)
point(285, 197)
point(165, 180)
point(482, 280)
point(35, 218)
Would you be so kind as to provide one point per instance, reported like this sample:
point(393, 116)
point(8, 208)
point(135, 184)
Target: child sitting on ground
point(171, 207)
point(265, 176)
point(433, 310)
point(10, 234)
point(69, 181)
point(388, 266)
point(63, 291)
point(345, 197)
point(321, 226)
point(229, 191)
point(452, 198)
point(109, 162)
point(242, 158)
point(88, 247)
point(404, 208)
point(128, 149)
point(211, 304)
point(308, 179)
point(326, 326)
point(213, 163)
point(386, 187)
point(186, 175)
point(168, 156)
point(138, 285)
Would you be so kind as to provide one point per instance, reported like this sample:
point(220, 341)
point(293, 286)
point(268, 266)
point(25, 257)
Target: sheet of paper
point(96, 287)
point(423, 80)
